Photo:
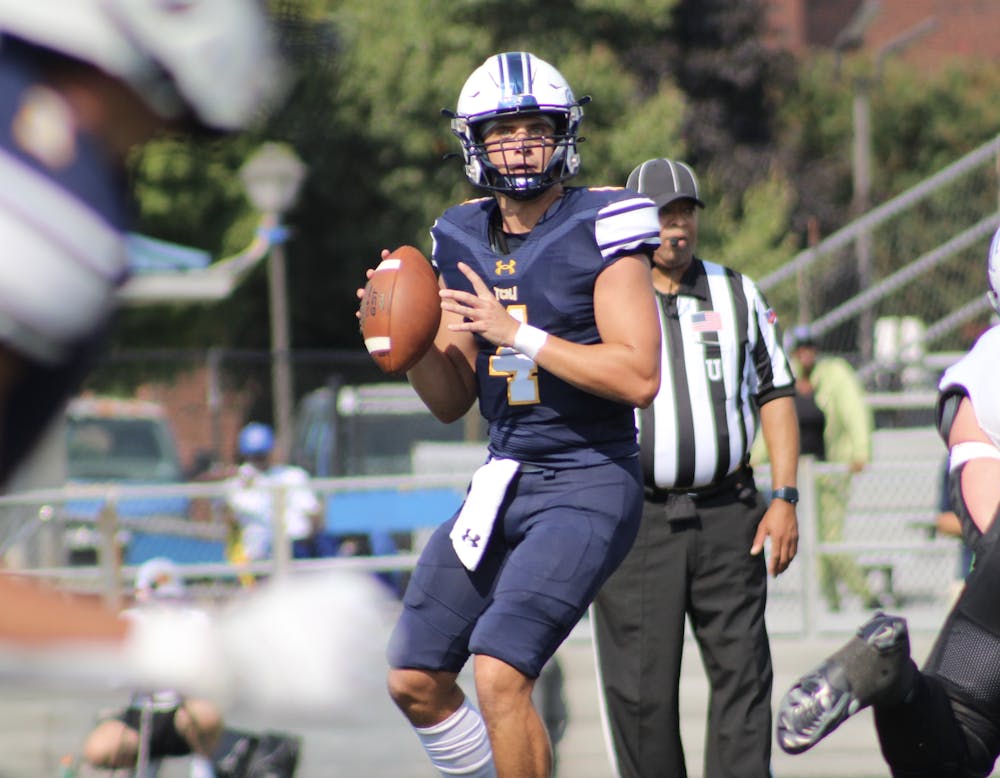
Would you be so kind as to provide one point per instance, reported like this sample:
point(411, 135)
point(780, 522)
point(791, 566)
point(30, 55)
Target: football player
point(549, 323)
point(944, 721)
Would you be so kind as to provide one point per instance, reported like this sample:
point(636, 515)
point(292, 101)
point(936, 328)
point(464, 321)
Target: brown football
point(401, 310)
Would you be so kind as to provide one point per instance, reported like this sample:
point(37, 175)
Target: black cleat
point(874, 666)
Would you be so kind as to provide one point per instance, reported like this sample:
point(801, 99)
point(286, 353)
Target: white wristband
point(529, 340)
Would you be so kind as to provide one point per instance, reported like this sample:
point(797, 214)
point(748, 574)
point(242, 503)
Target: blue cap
point(802, 335)
point(256, 439)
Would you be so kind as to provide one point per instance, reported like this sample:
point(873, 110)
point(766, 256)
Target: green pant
point(832, 490)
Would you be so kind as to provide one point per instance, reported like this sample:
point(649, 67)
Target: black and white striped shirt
point(721, 359)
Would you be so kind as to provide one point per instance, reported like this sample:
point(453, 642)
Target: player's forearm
point(444, 382)
point(625, 373)
point(979, 491)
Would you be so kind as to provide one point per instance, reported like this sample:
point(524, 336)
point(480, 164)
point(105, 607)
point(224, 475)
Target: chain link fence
point(898, 292)
point(904, 281)
point(887, 534)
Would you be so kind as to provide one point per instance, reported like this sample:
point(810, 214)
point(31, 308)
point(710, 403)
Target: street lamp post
point(272, 177)
point(861, 165)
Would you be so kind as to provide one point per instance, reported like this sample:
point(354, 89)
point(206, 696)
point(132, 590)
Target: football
point(401, 310)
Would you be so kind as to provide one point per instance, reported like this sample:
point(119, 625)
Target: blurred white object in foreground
point(309, 646)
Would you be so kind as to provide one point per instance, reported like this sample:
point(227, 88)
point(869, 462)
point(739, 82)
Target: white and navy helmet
point(993, 272)
point(517, 83)
point(213, 59)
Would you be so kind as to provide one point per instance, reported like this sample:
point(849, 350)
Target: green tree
point(688, 79)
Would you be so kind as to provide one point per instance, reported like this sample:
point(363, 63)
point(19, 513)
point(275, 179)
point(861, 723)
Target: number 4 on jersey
point(520, 371)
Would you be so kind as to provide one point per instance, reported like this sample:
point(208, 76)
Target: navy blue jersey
point(548, 282)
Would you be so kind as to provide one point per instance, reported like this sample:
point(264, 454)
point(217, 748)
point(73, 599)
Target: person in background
point(835, 425)
point(549, 323)
point(940, 721)
point(177, 725)
point(252, 496)
point(699, 553)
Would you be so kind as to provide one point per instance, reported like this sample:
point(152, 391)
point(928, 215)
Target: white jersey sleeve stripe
point(63, 264)
point(76, 228)
point(627, 225)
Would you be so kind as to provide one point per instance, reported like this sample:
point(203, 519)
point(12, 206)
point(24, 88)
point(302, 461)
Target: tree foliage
point(688, 79)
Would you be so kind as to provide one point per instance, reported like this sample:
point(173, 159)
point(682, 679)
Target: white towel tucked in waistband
point(474, 524)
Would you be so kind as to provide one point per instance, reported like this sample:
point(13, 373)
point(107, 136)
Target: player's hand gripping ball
point(400, 310)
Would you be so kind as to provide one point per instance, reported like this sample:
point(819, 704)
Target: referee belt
point(739, 482)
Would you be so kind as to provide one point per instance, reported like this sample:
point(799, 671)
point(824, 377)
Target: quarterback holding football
point(548, 321)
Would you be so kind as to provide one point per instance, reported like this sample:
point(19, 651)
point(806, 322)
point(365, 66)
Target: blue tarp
point(376, 514)
point(150, 255)
point(390, 510)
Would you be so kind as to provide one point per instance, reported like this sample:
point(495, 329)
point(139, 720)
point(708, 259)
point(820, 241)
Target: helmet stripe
point(512, 74)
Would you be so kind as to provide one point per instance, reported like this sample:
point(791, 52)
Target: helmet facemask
point(563, 161)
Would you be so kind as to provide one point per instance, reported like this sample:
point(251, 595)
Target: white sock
point(459, 745)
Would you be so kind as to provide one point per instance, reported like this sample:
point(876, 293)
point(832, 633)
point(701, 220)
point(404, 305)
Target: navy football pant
point(558, 535)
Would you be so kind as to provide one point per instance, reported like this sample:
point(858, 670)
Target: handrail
point(207, 489)
point(864, 299)
point(881, 214)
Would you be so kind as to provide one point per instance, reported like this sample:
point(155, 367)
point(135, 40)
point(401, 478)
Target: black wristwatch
point(787, 493)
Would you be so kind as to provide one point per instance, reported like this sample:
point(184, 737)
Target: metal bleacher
point(890, 517)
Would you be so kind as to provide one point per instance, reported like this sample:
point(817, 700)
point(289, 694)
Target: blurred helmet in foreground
point(214, 60)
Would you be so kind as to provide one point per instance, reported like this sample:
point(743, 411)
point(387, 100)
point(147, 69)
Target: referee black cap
point(663, 181)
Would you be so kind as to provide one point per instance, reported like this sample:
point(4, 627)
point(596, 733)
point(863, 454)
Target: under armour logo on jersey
point(471, 538)
point(506, 267)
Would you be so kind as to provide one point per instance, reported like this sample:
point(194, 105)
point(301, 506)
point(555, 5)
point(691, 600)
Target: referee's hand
point(781, 525)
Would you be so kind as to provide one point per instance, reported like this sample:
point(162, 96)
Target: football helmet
point(213, 59)
point(993, 272)
point(517, 83)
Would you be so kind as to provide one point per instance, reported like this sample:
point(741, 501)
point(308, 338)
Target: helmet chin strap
point(527, 192)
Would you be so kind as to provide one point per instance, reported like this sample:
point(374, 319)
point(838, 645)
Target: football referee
point(699, 548)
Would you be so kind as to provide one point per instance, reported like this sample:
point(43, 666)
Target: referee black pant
point(698, 567)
